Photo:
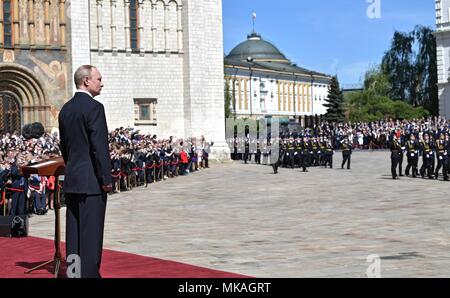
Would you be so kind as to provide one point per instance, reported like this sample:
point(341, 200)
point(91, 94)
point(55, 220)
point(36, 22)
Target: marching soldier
point(412, 155)
point(327, 149)
point(402, 144)
point(289, 155)
point(258, 153)
point(346, 153)
point(283, 147)
point(247, 150)
point(298, 152)
point(310, 155)
point(442, 157)
point(315, 152)
point(427, 157)
point(276, 163)
point(396, 149)
point(305, 153)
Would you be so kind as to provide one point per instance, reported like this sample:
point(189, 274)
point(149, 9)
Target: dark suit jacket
point(84, 145)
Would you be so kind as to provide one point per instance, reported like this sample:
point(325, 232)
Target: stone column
point(47, 22)
point(62, 23)
point(80, 36)
point(1, 23)
point(113, 25)
point(179, 29)
point(140, 21)
point(100, 25)
point(127, 26)
point(153, 28)
point(166, 28)
point(203, 70)
point(31, 22)
point(16, 37)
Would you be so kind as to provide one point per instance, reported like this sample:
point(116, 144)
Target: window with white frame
point(145, 111)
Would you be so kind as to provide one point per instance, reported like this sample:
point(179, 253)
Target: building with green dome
point(264, 83)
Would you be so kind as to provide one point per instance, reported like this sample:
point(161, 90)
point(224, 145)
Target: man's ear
point(86, 81)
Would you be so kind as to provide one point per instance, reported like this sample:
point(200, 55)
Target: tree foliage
point(228, 99)
point(334, 102)
point(411, 67)
point(373, 102)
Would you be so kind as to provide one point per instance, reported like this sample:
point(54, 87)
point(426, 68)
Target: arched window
point(7, 24)
point(134, 24)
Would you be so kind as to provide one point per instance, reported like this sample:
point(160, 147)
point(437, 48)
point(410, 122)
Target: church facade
point(34, 62)
point(161, 62)
point(442, 35)
point(263, 83)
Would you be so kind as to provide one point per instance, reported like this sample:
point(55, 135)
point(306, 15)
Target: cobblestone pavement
point(324, 223)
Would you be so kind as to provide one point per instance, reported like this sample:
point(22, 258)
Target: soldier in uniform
point(346, 152)
point(402, 144)
point(427, 157)
point(442, 157)
point(315, 152)
point(258, 152)
point(396, 149)
point(289, 154)
point(247, 150)
point(298, 152)
point(276, 163)
point(305, 149)
point(412, 155)
point(327, 149)
point(309, 158)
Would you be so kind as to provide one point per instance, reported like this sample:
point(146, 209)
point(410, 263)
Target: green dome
point(257, 49)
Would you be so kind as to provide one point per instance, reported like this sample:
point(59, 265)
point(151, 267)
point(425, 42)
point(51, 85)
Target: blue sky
point(330, 36)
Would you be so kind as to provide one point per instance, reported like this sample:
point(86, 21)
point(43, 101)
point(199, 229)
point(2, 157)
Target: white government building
point(161, 61)
point(263, 83)
point(443, 55)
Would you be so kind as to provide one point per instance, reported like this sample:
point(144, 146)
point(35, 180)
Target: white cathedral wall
point(443, 66)
point(204, 72)
point(443, 55)
point(79, 35)
point(131, 76)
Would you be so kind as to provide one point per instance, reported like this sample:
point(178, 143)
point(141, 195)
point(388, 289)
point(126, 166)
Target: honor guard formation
point(424, 141)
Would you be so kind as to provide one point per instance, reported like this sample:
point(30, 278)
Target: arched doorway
point(23, 99)
point(10, 113)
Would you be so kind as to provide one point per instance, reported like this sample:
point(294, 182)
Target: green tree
point(228, 98)
point(367, 105)
point(397, 63)
point(411, 67)
point(377, 82)
point(334, 102)
point(426, 89)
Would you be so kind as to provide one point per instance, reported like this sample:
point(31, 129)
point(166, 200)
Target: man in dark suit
point(87, 180)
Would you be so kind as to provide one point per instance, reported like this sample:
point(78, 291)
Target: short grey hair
point(81, 73)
